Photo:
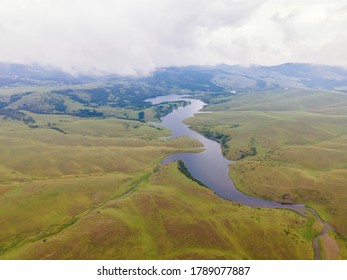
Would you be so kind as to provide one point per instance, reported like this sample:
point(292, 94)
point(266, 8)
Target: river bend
point(209, 166)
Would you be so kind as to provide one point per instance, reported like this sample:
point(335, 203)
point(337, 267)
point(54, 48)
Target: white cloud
point(129, 36)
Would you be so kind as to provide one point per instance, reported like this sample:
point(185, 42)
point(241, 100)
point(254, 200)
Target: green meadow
point(85, 188)
point(93, 188)
point(288, 146)
point(168, 216)
point(48, 178)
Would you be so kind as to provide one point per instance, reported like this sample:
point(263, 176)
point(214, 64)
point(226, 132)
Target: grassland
point(48, 178)
point(93, 189)
point(168, 216)
point(300, 143)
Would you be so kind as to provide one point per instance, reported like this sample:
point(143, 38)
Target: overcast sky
point(134, 37)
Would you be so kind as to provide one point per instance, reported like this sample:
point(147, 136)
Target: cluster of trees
point(222, 138)
point(117, 96)
point(54, 127)
point(166, 108)
point(87, 113)
point(57, 104)
point(252, 150)
point(16, 115)
point(183, 169)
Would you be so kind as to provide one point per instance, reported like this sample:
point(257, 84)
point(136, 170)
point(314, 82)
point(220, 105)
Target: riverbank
point(301, 149)
point(211, 168)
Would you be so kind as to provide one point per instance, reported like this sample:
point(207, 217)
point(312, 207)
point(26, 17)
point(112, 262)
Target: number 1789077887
point(221, 270)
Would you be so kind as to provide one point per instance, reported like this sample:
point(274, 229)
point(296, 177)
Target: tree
point(141, 115)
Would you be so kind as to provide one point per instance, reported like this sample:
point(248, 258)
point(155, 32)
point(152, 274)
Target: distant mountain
point(219, 78)
point(251, 78)
point(19, 74)
point(49, 91)
point(289, 75)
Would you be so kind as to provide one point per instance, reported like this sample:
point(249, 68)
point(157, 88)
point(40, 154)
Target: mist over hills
point(20, 74)
point(195, 78)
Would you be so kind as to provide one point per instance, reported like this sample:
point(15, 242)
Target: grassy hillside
point(287, 145)
point(94, 190)
point(168, 216)
point(49, 177)
point(79, 173)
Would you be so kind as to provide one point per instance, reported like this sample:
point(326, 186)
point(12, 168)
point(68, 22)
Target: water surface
point(210, 167)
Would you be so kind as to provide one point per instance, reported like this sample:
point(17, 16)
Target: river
point(210, 166)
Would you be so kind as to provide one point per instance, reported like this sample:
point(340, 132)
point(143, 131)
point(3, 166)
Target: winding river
point(210, 167)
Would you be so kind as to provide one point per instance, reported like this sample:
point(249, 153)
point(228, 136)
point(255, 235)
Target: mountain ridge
point(221, 77)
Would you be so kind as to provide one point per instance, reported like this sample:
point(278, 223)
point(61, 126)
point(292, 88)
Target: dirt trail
point(323, 235)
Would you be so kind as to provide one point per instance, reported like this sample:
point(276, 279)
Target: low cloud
point(135, 37)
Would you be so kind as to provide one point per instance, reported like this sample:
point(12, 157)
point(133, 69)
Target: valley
point(288, 146)
point(81, 174)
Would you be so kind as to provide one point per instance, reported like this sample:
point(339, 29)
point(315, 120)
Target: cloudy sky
point(136, 36)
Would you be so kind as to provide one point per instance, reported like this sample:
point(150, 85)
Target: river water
point(209, 166)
